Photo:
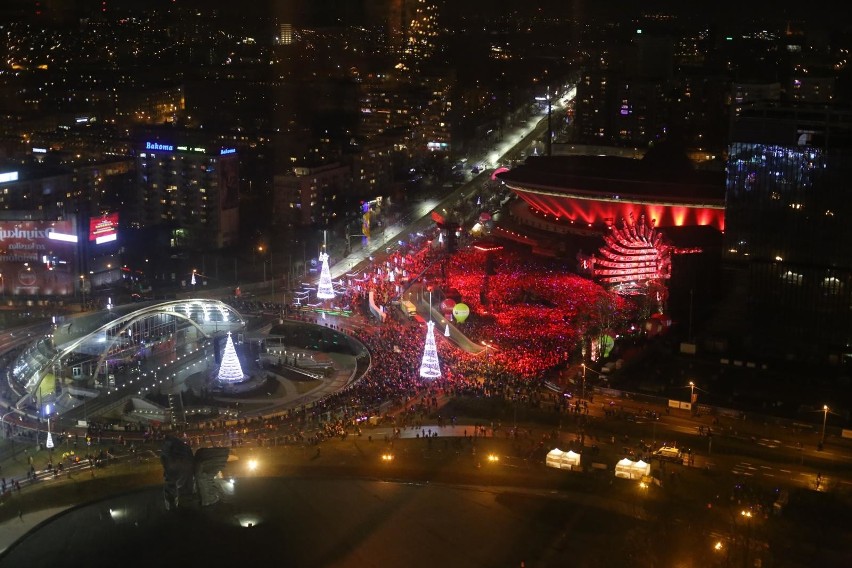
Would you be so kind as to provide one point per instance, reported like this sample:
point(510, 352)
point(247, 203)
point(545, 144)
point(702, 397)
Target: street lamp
point(824, 420)
point(584, 382)
point(262, 261)
point(83, 291)
point(487, 346)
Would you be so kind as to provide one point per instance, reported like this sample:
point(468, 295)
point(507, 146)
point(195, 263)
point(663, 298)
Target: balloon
point(460, 312)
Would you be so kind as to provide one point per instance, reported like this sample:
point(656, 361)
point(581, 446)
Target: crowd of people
point(536, 315)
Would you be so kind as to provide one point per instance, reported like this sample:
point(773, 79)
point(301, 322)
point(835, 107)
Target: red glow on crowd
point(537, 316)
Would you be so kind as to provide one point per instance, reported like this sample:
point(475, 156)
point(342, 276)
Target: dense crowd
point(536, 315)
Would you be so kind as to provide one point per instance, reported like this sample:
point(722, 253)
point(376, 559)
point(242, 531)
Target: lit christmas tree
point(325, 290)
point(430, 368)
point(230, 370)
point(447, 330)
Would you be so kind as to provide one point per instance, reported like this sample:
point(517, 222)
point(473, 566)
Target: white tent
point(554, 458)
point(558, 459)
point(632, 470)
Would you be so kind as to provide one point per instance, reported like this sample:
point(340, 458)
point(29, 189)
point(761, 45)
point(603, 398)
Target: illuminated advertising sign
point(103, 229)
point(159, 147)
point(37, 258)
point(226, 151)
point(6, 177)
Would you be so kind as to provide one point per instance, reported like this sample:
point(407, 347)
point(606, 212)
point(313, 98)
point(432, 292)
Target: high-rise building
point(421, 30)
point(306, 196)
point(285, 34)
point(191, 188)
point(787, 227)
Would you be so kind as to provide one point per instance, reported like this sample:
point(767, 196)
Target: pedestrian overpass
point(83, 353)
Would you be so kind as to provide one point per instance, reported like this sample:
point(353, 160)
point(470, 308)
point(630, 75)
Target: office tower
point(787, 226)
point(190, 188)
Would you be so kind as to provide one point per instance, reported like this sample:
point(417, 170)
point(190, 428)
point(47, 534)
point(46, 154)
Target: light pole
point(824, 420)
point(485, 343)
point(692, 397)
point(584, 382)
point(83, 291)
point(262, 261)
point(747, 517)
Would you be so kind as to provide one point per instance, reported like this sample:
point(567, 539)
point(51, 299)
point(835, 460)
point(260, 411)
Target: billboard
point(37, 258)
point(103, 229)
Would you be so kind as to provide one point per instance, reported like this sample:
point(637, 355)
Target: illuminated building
point(191, 188)
point(420, 34)
point(285, 34)
point(574, 205)
point(788, 227)
point(597, 191)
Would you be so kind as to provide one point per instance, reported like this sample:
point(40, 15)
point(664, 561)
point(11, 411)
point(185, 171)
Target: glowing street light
point(252, 465)
point(824, 420)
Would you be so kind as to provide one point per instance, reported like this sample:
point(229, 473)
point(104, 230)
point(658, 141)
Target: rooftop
point(659, 174)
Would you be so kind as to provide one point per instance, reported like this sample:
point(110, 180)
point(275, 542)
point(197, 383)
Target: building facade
point(787, 216)
point(192, 188)
point(306, 196)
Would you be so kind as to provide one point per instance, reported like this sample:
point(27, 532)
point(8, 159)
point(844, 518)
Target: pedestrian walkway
point(18, 526)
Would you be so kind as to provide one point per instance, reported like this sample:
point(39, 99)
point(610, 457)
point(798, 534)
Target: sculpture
point(185, 474)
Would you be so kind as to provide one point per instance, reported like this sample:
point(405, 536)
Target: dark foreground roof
point(658, 175)
point(316, 522)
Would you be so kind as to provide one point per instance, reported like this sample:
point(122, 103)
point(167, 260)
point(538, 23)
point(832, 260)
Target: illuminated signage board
point(6, 177)
point(39, 150)
point(103, 229)
point(225, 151)
point(38, 258)
point(64, 237)
point(159, 147)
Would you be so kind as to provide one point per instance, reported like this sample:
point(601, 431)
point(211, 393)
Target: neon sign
point(158, 146)
point(225, 151)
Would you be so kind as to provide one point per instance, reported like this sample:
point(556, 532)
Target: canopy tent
point(632, 470)
point(558, 459)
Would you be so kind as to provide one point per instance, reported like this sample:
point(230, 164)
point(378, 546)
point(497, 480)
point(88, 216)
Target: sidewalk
point(12, 530)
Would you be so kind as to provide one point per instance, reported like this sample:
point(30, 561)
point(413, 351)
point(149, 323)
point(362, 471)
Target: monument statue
point(188, 474)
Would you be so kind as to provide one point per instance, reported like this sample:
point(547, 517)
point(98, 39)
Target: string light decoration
point(634, 259)
point(430, 368)
point(325, 289)
point(230, 371)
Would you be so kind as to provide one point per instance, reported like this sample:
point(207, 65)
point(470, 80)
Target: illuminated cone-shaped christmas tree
point(447, 331)
point(230, 370)
point(325, 290)
point(430, 368)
